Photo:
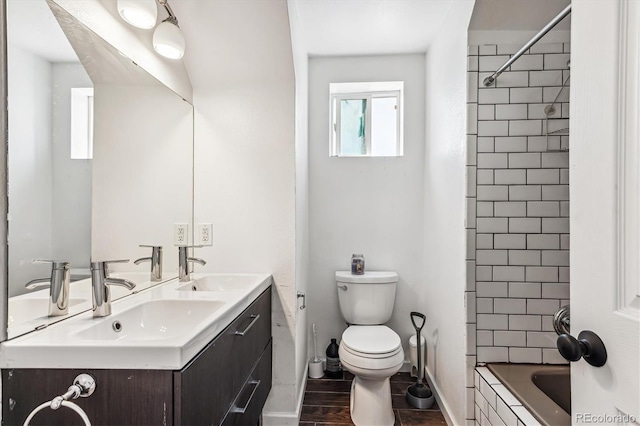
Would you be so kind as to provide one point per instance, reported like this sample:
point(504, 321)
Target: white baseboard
point(286, 418)
point(444, 407)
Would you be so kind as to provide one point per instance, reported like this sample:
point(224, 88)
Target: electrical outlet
point(180, 234)
point(205, 234)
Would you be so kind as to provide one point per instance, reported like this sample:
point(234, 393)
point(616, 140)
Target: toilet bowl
point(373, 353)
point(370, 350)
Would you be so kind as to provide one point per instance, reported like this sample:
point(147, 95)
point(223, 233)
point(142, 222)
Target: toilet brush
point(315, 365)
point(315, 344)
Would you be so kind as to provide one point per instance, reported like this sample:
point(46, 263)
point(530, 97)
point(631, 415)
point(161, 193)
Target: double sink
point(162, 327)
point(28, 312)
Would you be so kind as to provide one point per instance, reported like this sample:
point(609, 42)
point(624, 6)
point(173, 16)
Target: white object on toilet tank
point(366, 299)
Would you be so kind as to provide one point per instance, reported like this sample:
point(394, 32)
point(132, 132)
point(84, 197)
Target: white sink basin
point(27, 309)
point(152, 320)
point(140, 279)
point(222, 282)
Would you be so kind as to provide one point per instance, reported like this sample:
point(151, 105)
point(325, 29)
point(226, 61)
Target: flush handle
point(343, 287)
point(588, 346)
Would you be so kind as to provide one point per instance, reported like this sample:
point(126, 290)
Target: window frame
point(334, 125)
point(81, 123)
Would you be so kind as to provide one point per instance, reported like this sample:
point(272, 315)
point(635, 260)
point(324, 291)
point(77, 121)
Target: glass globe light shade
point(139, 13)
point(168, 40)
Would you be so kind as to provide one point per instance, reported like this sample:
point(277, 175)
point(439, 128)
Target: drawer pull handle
point(243, 332)
point(235, 408)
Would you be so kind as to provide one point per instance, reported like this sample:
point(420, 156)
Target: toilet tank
point(366, 299)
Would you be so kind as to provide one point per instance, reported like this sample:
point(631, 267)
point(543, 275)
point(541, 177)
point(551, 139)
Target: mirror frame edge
point(4, 200)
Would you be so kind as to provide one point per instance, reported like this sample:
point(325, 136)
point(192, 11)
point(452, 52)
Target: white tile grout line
point(492, 50)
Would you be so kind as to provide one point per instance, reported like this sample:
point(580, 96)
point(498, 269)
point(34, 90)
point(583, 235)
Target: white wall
point(443, 263)
point(142, 177)
point(71, 230)
point(241, 68)
point(373, 205)
point(29, 166)
point(301, 68)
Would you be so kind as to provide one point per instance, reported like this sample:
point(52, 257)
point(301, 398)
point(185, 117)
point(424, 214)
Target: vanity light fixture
point(168, 40)
point(139, 13)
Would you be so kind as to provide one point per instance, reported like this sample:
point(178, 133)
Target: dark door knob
point(588, 346)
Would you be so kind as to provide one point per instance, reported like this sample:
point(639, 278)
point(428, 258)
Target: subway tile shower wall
point(517, 203)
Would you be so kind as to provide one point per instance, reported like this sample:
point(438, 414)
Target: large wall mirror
point(100, 161)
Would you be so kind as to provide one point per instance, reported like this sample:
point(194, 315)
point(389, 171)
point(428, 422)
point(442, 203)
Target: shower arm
point(492, 78)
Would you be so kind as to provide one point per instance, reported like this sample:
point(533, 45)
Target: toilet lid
point(371, 339)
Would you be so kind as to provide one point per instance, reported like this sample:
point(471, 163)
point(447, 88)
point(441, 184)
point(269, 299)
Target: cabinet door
point(207, 386)
point(122, 397)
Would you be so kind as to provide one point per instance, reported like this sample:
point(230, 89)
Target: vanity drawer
point(247, 406)
point(222, 368)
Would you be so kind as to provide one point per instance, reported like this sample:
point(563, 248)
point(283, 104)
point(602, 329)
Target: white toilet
point(371, 351)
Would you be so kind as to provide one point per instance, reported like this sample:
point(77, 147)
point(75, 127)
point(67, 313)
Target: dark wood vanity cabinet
point(238, 357)
point(226, 383)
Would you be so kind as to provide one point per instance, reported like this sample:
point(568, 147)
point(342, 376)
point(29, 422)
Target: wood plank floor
point(326, 402)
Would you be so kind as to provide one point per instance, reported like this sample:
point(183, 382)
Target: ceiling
point(327, 27)
point(517, 15)
point(32, 27)
point(368, 27)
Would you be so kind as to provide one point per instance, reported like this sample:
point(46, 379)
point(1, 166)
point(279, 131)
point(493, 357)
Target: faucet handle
point(184, 250)
point(156, 252)
point(101, 264)
point(55, 264)
point(41, 282)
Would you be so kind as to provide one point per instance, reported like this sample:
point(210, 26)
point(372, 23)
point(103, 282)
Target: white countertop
point(69, 343)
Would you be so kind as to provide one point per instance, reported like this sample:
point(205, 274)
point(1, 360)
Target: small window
point(82, 123)
point(366, 119)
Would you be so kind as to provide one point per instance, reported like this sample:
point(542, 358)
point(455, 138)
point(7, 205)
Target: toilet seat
point(372, 341)
point(369, 347)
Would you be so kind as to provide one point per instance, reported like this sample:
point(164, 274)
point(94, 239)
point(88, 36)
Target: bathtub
point(544, 390)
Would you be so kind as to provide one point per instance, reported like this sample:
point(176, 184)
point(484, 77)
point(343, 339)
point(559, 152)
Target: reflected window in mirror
point(136, 137)
point(82, 123)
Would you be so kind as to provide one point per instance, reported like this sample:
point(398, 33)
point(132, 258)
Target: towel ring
point(71, 405)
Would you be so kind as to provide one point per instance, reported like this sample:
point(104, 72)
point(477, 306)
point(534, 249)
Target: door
point(605, 207)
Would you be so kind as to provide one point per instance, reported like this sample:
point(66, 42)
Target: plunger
point(418, 394)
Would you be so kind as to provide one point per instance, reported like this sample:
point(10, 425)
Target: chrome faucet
point(59, 283)
point(184, 261)
point(156, 262)
point(100, 282)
